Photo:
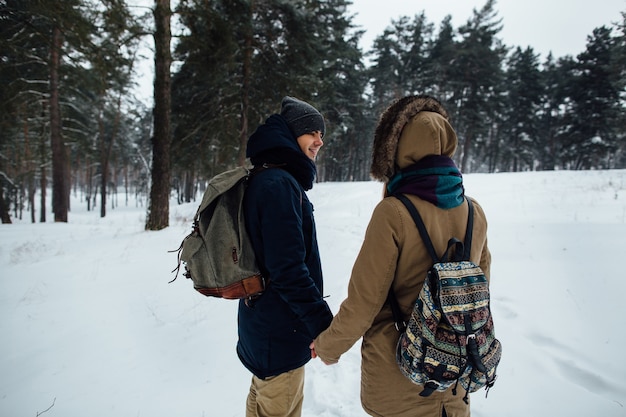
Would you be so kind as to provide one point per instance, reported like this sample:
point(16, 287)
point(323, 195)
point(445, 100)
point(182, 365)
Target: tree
point(402, 62)
point(520, 112)
point(203, 118)
point(443, 61)
point(383, 77)
point(554, 77)
point(24, 74)
point(345, 155)
point(592, 122)
point(111, 54)
point(158, 211)
point(477, 76)
point(238, 59)
point(60, 177)
point(619, 64)
point(45, 44)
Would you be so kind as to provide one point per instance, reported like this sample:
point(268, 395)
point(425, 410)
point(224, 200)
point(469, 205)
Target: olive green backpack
point(217, 255)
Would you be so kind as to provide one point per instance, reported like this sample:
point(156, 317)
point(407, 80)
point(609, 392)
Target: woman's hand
point(314, 353)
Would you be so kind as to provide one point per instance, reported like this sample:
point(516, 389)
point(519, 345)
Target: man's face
point(310, 143)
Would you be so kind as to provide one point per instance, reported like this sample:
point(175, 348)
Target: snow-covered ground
point(91, 327)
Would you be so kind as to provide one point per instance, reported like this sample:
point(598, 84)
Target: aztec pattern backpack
point(450, 338)
point(217, 254)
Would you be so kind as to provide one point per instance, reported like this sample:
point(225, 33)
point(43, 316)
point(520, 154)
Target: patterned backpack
point(449, 339)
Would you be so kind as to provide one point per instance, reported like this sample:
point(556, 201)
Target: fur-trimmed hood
point(408, 130)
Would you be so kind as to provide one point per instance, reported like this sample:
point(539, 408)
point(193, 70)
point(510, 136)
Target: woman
point(413, 146)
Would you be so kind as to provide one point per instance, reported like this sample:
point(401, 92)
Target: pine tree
point(45, 34)
point(619, 65)
point(521, 110)
point(476, 76)
point(251, 54)
point(158, 211)
point(554, 77)
point(402, 63)
point(343, 79)
point(443, 60)
point(592, 121)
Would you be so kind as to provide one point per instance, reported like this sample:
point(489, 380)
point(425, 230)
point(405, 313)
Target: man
point(275, 329)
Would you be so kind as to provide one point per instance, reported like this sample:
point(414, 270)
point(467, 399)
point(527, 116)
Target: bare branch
point(47, 409)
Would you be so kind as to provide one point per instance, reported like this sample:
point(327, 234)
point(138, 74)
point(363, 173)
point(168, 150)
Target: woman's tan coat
point(393, 254)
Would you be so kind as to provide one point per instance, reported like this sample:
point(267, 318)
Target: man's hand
point(314, 353)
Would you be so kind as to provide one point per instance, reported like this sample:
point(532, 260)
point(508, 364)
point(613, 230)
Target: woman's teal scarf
point(434, 178)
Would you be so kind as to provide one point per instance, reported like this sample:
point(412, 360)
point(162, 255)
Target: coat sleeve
point(280, 212)
point(371, 278)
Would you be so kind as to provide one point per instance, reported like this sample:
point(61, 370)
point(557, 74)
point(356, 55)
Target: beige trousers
point(277, 396)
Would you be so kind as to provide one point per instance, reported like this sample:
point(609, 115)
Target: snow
point(91, 326)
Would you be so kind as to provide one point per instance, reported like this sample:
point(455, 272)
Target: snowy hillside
point(91, 327)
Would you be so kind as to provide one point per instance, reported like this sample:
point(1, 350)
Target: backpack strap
point(469, 231)
point(467, 243)
point(419, 223)
point(395, 311)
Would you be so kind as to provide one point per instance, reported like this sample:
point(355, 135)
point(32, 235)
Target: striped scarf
point(434, 178)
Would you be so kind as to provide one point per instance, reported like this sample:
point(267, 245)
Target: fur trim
point(389, 129)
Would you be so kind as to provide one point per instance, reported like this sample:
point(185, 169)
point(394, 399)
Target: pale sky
point(560, 26)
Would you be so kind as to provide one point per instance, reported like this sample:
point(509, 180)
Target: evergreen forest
point(71, 123)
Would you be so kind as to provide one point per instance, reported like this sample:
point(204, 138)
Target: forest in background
point(69, 121)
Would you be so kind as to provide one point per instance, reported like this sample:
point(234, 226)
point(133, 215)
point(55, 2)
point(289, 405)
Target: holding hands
point(314, 354)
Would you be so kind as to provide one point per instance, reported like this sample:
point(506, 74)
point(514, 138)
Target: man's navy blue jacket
point(275, 330)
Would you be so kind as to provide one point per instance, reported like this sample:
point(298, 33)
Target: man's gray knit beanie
point(301, 117)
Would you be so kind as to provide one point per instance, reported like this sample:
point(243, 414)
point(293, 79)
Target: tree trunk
point(245, 90)
point(106, 147)
point(4, 212)
point(30, 173)
point(467, 145)
point(104, 174)
point(158, 211)
point(60, 195)
point(104, 167)
point(43, 179)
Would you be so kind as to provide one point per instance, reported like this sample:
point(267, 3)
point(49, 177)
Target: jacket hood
point(274, 143)
point(408, 130)
point(273, 134)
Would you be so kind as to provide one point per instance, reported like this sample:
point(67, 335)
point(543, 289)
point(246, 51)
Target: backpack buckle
point(429, 387)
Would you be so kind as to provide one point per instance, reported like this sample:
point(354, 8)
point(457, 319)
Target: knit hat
point(301, 117)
